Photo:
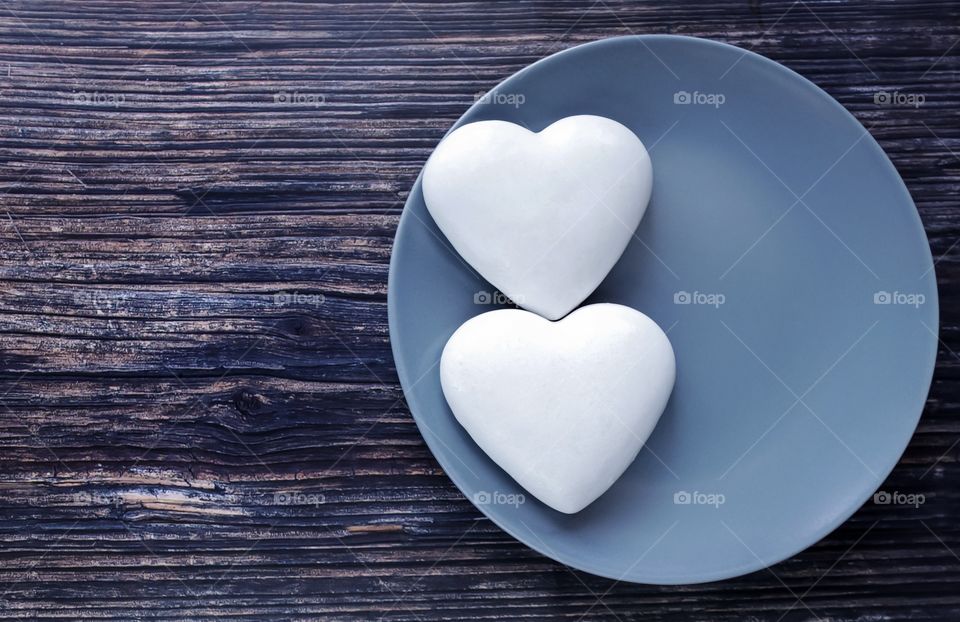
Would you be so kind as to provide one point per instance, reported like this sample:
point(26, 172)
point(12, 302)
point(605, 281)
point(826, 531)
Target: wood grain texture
point(199, 413)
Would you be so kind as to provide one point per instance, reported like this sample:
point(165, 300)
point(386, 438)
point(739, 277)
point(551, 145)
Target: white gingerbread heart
point(542, 216)
point(563, 407)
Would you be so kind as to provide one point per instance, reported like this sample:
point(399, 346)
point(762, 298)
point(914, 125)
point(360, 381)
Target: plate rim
point(688, 578)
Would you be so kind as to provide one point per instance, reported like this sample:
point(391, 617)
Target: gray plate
point(785, 258)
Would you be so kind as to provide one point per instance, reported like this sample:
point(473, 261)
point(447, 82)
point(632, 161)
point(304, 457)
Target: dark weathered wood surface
point(199, 413)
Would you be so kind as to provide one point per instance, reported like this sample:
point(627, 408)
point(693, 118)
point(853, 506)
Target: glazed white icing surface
point(542, 216)
point(563, 407)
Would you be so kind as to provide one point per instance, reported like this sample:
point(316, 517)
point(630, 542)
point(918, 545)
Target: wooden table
point(200, 413)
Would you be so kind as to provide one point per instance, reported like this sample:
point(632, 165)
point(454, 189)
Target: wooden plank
point(199, 413)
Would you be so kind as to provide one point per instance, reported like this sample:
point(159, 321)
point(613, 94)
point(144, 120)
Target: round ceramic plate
point(784, 257)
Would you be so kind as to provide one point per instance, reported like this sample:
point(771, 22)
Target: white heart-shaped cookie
point(563, 407)
point(542, 216)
